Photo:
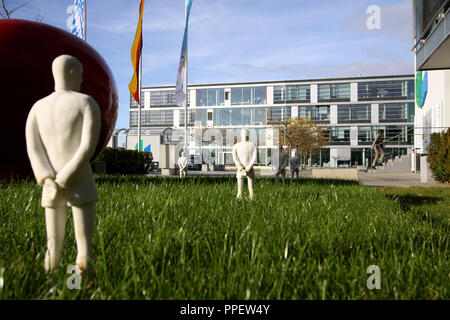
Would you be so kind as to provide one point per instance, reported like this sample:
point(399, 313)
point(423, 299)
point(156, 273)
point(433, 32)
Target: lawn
point(162, 238)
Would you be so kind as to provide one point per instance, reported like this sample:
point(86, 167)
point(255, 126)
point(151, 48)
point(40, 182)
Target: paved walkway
point(376, 179)
point(402, 180)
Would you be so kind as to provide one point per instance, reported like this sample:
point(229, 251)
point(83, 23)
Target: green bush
point(439, 157)
point(120, 161)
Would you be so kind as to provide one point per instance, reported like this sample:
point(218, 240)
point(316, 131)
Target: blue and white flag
point(180, 96)
point(78, 18)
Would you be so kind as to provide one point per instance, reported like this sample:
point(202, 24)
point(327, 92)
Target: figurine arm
point(253, 160)
point(42, 168)
point(236, 159)
point(89, 138)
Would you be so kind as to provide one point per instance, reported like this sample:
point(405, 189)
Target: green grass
point(162, 238)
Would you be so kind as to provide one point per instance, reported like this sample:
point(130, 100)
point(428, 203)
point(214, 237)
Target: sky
point(242, 40)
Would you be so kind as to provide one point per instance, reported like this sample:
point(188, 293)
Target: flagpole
point(140, 102)
point(85, 20)
point(186, 87)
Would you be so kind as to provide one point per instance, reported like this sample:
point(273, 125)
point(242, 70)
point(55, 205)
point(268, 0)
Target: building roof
point(286, 81)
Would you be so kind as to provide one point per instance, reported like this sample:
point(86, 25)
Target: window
point(260, 116)
point(395, 134)
point(191, 117)
point(210, 97)
point(315, 113)
point(133, 103)
point(248, 95)
point(278, 113)
point(396, 112)
point(385, 90)
point(354, 113)
point(239, 116)
point(295, 93)
point(133, 118)
point(150, 118)
point(339, 135)
point(334, 91)
point(364, 135)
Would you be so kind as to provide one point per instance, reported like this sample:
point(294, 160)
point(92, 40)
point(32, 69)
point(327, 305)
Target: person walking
point(378, 146)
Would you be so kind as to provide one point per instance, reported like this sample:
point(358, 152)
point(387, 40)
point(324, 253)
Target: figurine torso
point(244, 151)
point(60, 120)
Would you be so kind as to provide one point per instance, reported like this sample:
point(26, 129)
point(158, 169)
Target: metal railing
point(369, 165)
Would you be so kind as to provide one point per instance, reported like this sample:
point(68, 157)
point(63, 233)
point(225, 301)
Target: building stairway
point(400, 164)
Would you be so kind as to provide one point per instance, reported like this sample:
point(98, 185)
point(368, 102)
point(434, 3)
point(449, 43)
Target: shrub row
point(438, 155)
point(120, 161)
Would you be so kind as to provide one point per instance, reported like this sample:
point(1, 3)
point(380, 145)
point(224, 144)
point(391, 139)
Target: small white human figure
point(62, 132)
point(244, 157)
point(182, 164)
point(283, 162)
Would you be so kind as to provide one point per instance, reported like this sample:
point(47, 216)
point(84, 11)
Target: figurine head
point(245, 134)
point(182, 154)
point(68, 73)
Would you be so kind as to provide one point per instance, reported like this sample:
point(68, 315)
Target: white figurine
point(62, 132)
point(182, 165)
point(244, 157)
point(282, 164)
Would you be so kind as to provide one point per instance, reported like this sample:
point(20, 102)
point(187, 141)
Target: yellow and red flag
point(136, 50)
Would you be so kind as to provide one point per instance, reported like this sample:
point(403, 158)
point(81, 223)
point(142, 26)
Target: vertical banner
point(79, 19)
point(180, 95)
point(136, 50)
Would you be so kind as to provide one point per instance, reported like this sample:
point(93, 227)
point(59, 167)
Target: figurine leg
point(83, 220)
point(55, 221)
point(240, 183)
point(250, 187)
point(283, 176)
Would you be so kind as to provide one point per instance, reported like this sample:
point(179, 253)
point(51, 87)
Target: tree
point(302, 135)
point(6, 12)
point(439, 155)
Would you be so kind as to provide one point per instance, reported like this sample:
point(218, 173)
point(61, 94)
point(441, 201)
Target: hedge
point(438, 155)
point(120, 161)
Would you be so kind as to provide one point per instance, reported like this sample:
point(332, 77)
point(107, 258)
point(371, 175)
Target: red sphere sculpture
point(27, 50)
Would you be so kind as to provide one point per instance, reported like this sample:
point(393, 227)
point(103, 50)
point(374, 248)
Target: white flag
point(78, 18)
point(180, 96)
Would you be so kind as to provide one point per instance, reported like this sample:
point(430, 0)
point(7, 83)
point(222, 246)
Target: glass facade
point(315, 113)
point(191, 117)
point(164, 98)
point(354, 113)
point(152, 118)
point(334, 92)
point(210, 97)
point(385, 90)
point(294, 93)
point(248, 95)
point(395, 134)
point(365, 135)
point(133, 103)
point(425, 12)
point(396, 112)
point(338, 135)
point(239, 116)
point(278, 113)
